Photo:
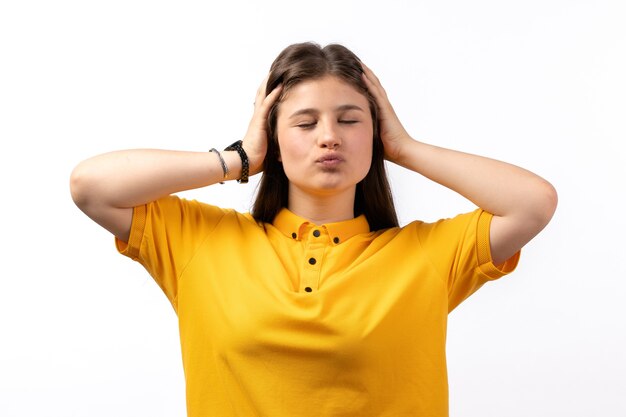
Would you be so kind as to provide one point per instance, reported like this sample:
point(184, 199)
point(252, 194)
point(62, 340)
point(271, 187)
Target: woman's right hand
point(255, 141)
point(107, 187)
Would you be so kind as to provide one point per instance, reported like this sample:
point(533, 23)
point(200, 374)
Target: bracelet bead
point(245, 164)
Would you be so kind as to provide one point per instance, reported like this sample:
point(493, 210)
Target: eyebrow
point(343, 107)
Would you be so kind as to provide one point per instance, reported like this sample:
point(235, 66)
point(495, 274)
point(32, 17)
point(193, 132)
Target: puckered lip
point(329, 157)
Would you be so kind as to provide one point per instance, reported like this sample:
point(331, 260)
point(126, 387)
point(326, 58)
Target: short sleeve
point(459, 249)
point(165, 235)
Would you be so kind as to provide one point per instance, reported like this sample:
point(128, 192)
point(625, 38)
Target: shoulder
point(459, 222)
point(470, 226)
point(173, 209)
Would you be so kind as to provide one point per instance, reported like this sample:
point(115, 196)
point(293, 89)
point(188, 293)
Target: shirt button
point(316, 233)
point(336, 239)
point(293, 235)
point(308, 289)
point(312, 261)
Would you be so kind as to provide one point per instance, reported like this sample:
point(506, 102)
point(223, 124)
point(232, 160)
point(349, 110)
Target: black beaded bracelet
point(245, 164)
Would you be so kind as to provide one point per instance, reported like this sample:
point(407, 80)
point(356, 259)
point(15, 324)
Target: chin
point(322, 187)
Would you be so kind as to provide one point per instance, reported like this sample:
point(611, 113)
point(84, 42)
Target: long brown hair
point(306, 61)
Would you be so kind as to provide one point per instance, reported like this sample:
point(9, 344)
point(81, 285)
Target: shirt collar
point(294, 226)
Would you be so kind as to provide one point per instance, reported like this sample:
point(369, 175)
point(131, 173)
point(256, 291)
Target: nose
point(329, 136)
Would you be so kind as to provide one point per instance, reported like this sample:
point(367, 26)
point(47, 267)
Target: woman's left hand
point(392, 133)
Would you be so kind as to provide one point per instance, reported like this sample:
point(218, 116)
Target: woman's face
point(325, 135)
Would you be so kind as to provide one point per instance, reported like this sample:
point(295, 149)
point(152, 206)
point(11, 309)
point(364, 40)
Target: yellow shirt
point(295, 319)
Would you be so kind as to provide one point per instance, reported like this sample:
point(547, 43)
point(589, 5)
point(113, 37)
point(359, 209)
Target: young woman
point(316, 303)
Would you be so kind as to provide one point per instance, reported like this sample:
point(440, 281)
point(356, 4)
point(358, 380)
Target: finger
point(263, 105)
point(260, 92)
point(370, 74)
point(376, 90)
point(373, 83)
point(271, 98)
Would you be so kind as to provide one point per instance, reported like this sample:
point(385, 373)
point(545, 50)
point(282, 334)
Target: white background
point(85, 332)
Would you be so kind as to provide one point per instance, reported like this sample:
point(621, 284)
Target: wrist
point(404, 147)
point(256, 158)
point(243, 159)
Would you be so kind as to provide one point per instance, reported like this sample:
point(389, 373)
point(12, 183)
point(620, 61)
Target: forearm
point(497, 187)
point(129, 178)
point(522, 203)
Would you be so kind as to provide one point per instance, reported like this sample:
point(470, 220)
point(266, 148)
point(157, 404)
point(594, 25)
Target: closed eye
point(349, 122)
point(306, 125)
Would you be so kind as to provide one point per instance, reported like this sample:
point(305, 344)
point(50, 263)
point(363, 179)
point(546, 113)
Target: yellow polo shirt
point(295, 319)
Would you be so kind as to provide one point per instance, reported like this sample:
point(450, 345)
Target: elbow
point(80, 186)
point(546, 202)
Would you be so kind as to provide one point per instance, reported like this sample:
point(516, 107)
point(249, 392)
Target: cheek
point(290, 160)
point(367, 141)
point(287, 149)
point(288, 153)
point(291, 143)
point(367, 149)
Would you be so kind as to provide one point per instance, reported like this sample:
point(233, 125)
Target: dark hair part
point(306, 61)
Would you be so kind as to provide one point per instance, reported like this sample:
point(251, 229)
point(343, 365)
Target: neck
point(322, 208)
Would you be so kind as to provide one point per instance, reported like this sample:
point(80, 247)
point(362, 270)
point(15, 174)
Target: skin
point(325, 135)
point(522, 202)
point(108, 186)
